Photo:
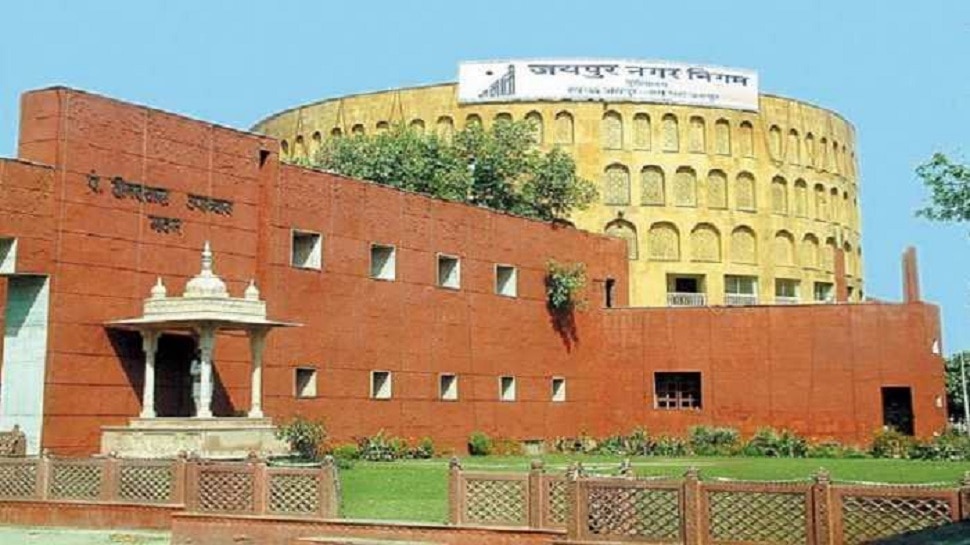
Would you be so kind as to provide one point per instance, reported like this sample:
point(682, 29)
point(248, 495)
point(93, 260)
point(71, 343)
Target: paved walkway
point(22, 535)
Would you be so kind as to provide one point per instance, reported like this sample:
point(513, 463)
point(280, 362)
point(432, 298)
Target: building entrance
point(897, 408)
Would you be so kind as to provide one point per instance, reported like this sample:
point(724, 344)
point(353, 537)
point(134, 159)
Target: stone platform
point(221, 438)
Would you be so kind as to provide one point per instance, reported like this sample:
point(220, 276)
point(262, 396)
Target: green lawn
point(417, 490)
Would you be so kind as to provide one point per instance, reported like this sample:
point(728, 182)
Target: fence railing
point(740, 299)
point(691, 511)
point(680, 299)
point(248, 487)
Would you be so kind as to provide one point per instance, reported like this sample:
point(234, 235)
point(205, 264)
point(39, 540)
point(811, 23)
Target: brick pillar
point(109, 478)
point(965, 497)
point(179, 480)
point(576, 507)
point(536, 499)
point(330, 489)
point(841, 283)
point(43, 476)
point(822, 508)
point(455, 499)
point(260, 486)
point(692, 524)
point(911, 291)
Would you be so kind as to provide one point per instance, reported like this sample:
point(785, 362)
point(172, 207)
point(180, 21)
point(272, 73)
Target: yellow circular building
point(719, 205)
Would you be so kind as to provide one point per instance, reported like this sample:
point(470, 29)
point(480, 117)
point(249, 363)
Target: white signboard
point(608, 80)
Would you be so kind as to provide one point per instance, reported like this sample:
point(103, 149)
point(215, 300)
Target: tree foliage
point(954, 384)
point(499, 168)
point(949, 186)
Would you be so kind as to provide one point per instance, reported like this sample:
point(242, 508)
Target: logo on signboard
point(504, 86)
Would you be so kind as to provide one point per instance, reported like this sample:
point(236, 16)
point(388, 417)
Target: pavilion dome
point(206, 283)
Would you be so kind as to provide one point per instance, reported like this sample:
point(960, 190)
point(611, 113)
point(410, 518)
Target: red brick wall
point(814, 368)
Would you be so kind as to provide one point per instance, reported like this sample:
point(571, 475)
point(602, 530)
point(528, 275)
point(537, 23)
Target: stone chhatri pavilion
point(204, 309)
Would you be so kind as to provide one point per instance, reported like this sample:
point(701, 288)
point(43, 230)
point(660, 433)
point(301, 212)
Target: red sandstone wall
point(815, 368)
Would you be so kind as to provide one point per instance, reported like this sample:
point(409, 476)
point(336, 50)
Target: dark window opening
point(677, 390)
point(897, 409)
point(684, 284)
point(608, 287)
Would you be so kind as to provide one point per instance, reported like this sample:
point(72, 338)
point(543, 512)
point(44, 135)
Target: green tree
point(499, 168)
point(949, 186)
point(954, 384)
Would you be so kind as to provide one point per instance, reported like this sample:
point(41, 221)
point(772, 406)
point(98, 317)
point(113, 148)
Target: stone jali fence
point(691, 511)
point(248, 487)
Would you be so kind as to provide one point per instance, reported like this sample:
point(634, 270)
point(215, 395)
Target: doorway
point(173, 381)
point(897, 409)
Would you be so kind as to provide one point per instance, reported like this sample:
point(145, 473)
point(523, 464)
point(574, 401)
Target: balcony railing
point(787, 300)
point(740, 299)
point(680, 299)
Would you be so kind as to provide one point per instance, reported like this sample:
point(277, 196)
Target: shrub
point(304, 437)
point(949, 446)
point(381, 448)
point(564, 282)
point(769, 442)
point(479, 444)
point(346, 452)
point(707, 441)
point(423, 450)
point(669, 446)
point(889, 443)
point(503, 446)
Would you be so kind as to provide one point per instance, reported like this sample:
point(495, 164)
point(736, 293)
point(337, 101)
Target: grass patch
point(417, 490)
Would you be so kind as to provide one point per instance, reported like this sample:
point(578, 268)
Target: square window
point(506, 388)
point(383, 262)
point(558, 389)
point(8, 255)
point(306, 250)
point(786, 290)
point(306, 382)
point(824, 292)
point(677, 390)
point(449, 272)
point(506, 280)
point(380, 384)
point(448, 387)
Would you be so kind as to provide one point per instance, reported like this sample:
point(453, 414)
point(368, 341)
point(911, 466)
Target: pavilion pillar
point(207, 339)
point(149, 343)
point(257, 341)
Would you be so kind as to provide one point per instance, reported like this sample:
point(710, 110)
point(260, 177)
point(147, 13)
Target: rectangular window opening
point(448, 387)
point(449, 272)
point(8, 255)
point(824, 292)
point(786, 291)
point(506, 388)
point(380, 384)
point(558, 389)
point(740, 290)
point(383, 262)
point(506, 280)
point(306, 382)
point(306, 250)
point(677, 390)
point(608, 287)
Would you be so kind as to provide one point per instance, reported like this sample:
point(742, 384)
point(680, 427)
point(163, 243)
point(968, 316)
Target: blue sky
point(897, 70)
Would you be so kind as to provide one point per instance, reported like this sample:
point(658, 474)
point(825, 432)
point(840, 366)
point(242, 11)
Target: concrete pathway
point(23, 535)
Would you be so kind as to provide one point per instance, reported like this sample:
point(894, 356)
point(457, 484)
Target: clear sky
point(898, 70)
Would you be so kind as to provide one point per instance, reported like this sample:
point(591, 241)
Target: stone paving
point(21, 535)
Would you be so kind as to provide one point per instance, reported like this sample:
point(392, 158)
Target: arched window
point(382, 127)
point(810, 150)
point(685, 187)
point(417, 126)
point(821, 204)
point(357, 129)
point(627, 231)
point(722, 137)
point(784, 249)
point(445, 128)
point(836, 161)
point(564, 128)
point(612, 130)
point(316, 142)
point(641, 131)
point(535, 119)
point(744, 245)
point(473, 120)
point(746, 135)
point(774, 143)
point(794, 148)
point(835, 213)
point(705, 243)
point(616, 185)
point(809, 257)
point(801, 198)
point(671, 136)
point(849, 256)
point(717, 189)
point(503, 117)
point(299, 149)
point(697, 143)
point(336, 132)
point(664, 242)
point(779, 195)
point(828, 254)
point(848, 214)
point(284, 149)
point(652, 186)
point(745, 192)
point(822, 159)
